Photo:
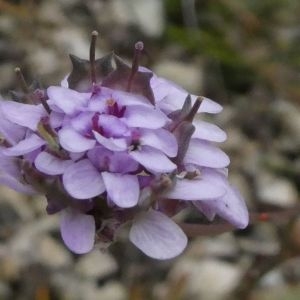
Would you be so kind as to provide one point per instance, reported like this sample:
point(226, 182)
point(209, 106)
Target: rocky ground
point(243, 54)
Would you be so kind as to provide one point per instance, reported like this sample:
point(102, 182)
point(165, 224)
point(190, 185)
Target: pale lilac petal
point(51, 165)
point(10, 175)
point(121, 162)
point(123, 190)
point(82, 180)
point(153, 160)
point(73, 141)
point(12, 132)
point(160, 139)
point(208, 131)
point(69, 101)
point(231, 206)
point(195, 189)
point(77, 231)
point(208, 106)
point(129, 99)
point(113, 144)
point(26, 115)
point(204, 154)
point(157, 235)
point(56, 119)
point(144, 117)
point(113, 126)
point(82, 122)
point(206, 208)
point(25, 146)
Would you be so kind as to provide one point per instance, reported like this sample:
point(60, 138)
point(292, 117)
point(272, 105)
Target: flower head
point(113, 146)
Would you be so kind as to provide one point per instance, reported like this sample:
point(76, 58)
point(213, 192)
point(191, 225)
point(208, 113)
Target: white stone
point(207, 279)
point(96, 264)
point(276, 191)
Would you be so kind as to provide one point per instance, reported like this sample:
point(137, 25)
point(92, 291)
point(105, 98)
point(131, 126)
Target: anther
point(138, 48)
point(92, 56)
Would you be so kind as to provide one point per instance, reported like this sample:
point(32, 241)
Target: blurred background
point(243, 54)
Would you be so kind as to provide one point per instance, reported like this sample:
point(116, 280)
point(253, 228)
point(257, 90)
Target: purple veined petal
point(231, 206)
point(10, 175)
point(26, 115)
point(73, 141)
point(145, 117)
point(153, 160)
point(113, 144)
point(207, 208)
point(122, 162)
point(129, 99)
point(195, 189)
point(82, 180)
point(160, 139)
point(56, 119)
point(51, 165)
point(77, 230)
point(157, 235)
point(100, 157)
point(12, 132)
point(25, 146)
point(204, 154)
point(208, 105)
point(163, 88)
point(113, 126)
point(69, 101)
point(82, 122)
point(207, 131)
point(123, 190)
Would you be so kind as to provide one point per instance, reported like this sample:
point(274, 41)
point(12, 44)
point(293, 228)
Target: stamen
point(92, 56)
point(23, 84)
point(138, 48)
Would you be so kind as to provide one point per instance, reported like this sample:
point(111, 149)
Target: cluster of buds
point(113, 148)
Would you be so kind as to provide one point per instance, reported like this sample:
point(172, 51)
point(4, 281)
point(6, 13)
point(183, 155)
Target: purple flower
point(126, 147)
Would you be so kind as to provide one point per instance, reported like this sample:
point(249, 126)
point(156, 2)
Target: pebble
point(208, 279)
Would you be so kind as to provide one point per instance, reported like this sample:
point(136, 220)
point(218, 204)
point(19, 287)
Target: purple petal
point(25, 146)
point(82, 122)
point(208, 106)
point(206, 208)
point(123, 190)
point(153, 160)
point(128, 99)
point(26, 115)
point(195, 189)
point(51, 165)
point(82, 180)
point(121, 162)
point(113, 126)
point(202, 153)
point(144, 117)
point(12, 132)
point(160, 139)
point(208, 131)
point(69, 101)
point(157, 235)
point(73, 141)
point(231, 206)
point(10, 175)
point(56, 119)
point(77, 231)
point(113, 144)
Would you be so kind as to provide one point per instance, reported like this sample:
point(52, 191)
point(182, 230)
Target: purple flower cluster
point(126, 149)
